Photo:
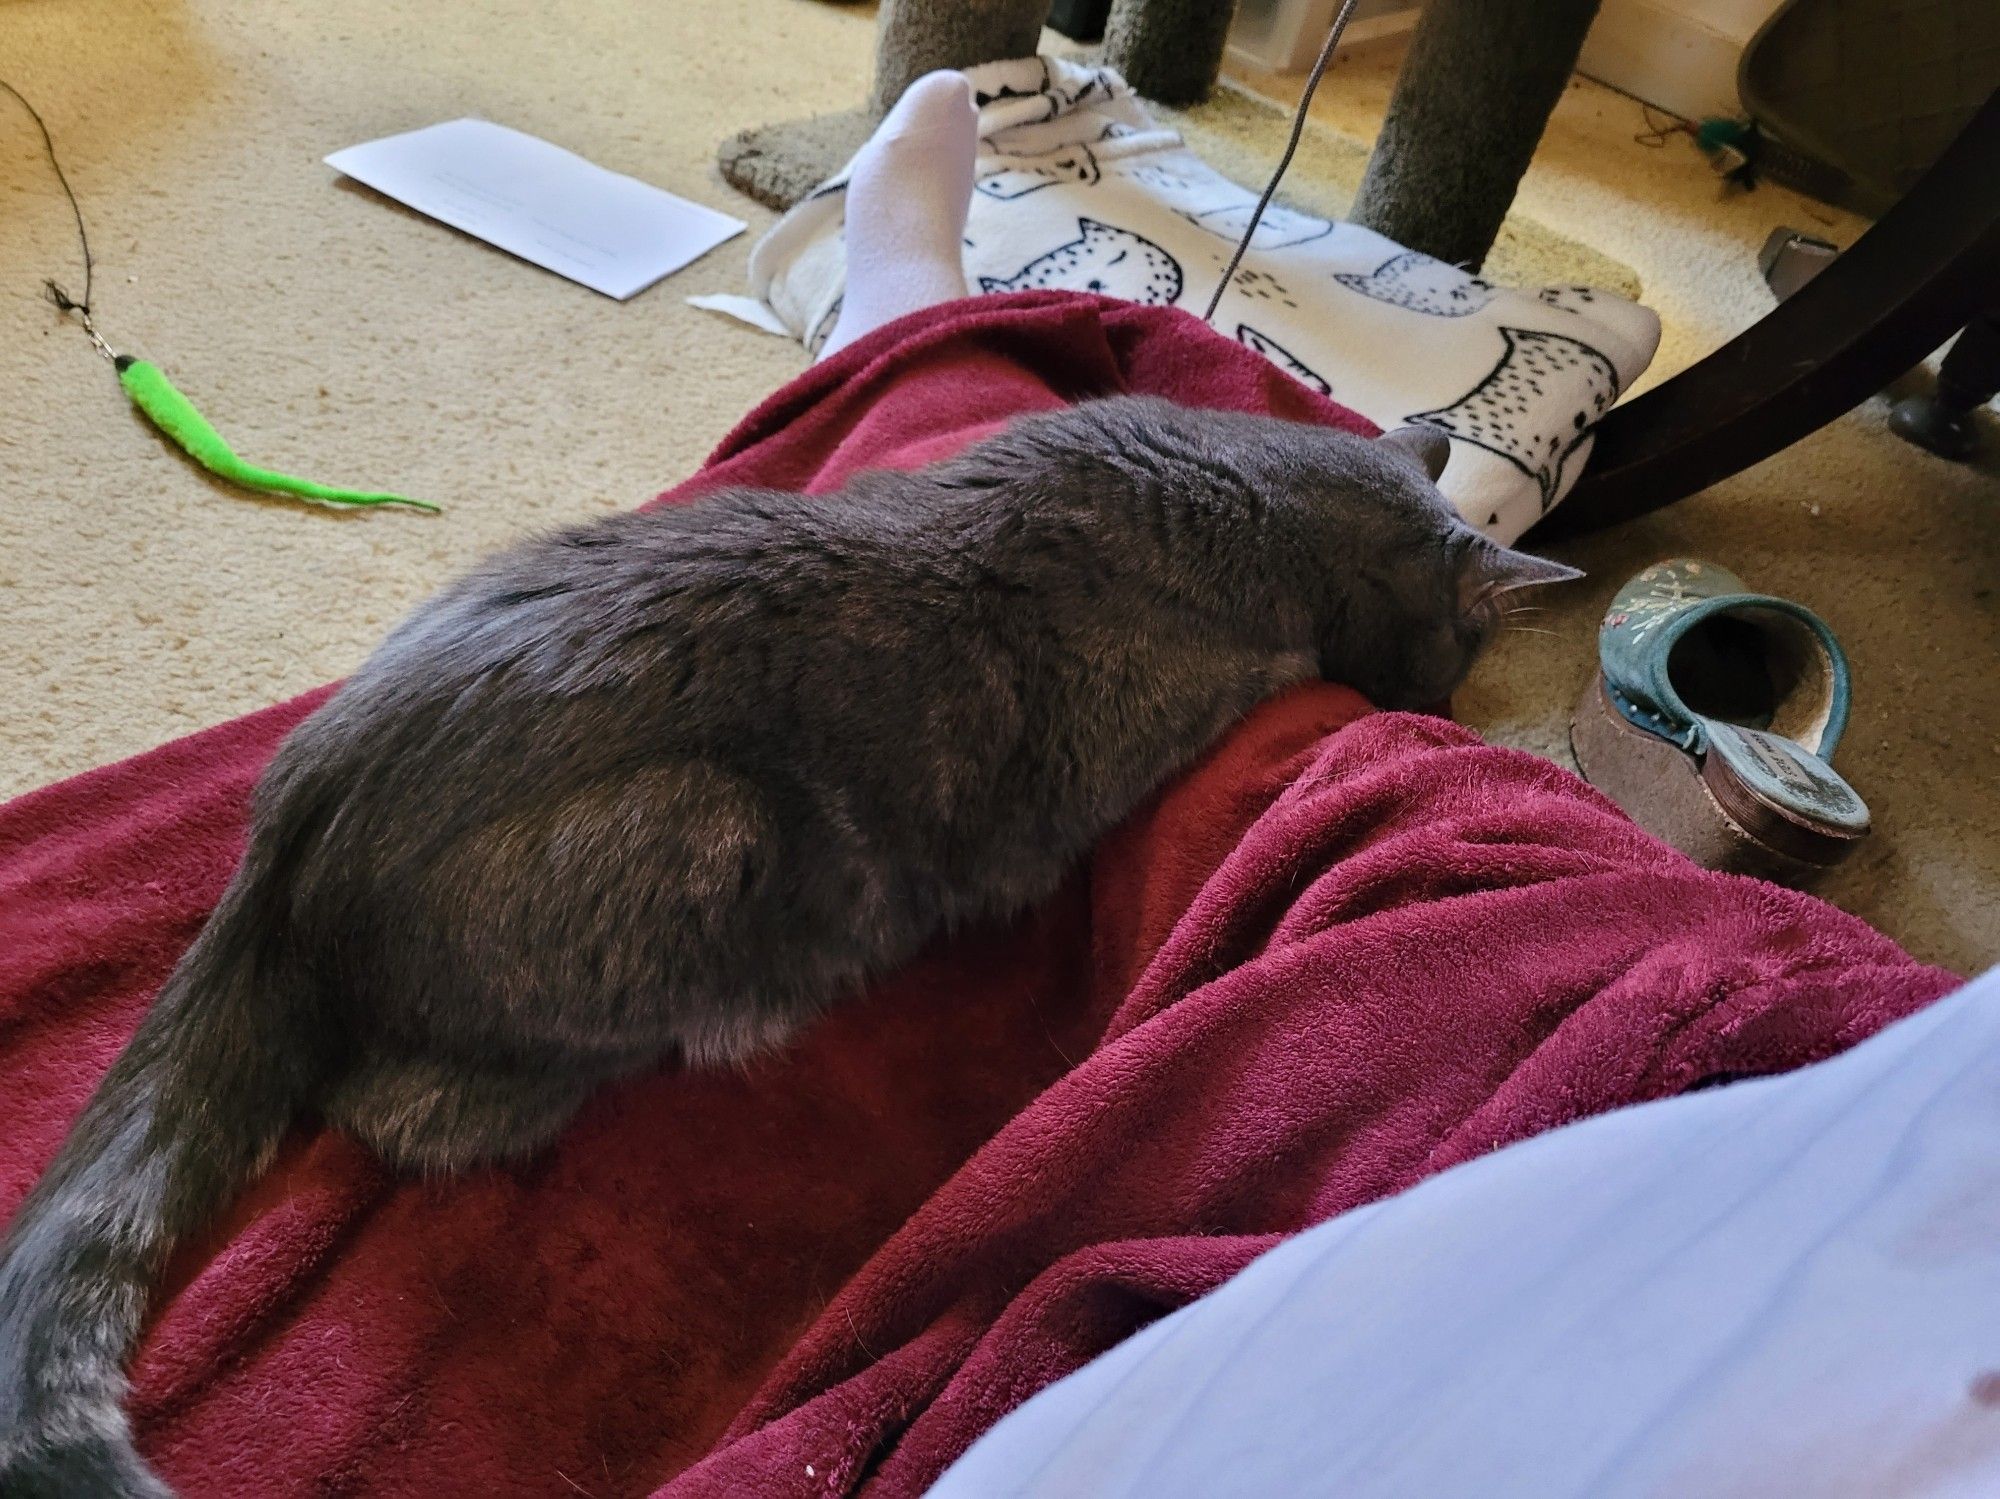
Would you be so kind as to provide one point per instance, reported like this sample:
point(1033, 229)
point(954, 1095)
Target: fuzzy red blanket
point(1345, 951)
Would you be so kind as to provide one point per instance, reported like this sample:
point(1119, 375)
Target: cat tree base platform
point(779, 164)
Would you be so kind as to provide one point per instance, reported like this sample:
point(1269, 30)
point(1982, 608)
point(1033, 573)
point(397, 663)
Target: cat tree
point(1469, 106)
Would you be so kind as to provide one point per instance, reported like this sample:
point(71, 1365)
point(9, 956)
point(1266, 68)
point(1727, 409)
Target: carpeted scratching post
point(915, 37)
point(779, 164)
point(1169, 50)
point(1471, 102)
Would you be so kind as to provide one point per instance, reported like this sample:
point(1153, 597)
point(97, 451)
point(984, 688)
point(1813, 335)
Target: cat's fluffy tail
point(193, 1108)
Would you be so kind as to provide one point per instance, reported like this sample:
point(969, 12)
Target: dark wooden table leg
point(1940, 422)
point(1922, 272)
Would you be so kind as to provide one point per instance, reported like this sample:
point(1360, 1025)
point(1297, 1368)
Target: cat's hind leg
point(435, 1114)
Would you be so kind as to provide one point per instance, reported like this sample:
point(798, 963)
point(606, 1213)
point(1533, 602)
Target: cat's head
point(1414, 592)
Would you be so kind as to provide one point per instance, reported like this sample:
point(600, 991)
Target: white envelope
point(612, 233)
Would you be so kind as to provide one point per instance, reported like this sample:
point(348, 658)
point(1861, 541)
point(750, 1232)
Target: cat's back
point(607, 601)
point(724, 625)
point(888, 561)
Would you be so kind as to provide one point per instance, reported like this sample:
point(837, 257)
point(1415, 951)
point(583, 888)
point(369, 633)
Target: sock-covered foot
point(906, 203)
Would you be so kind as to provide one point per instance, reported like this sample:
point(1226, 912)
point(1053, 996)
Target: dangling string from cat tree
point(173, 413)
point(1298, 128)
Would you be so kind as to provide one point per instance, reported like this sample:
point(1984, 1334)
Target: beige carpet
point(334, 335)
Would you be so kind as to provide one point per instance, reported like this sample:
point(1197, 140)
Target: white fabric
point(1079, 188)
point(751, 310)
point(1788, 1286)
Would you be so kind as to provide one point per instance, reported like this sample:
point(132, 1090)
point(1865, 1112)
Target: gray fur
point(665, 785)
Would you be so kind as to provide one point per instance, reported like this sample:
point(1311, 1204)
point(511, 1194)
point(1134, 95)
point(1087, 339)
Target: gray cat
point(666, 785)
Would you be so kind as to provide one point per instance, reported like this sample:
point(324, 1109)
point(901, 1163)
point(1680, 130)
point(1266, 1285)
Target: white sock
point(906, 203)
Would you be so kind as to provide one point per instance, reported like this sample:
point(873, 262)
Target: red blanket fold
point(1345, 951)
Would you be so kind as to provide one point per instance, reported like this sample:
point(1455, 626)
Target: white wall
point(1284, 36)
point(1678, 54)
point(1737, 18)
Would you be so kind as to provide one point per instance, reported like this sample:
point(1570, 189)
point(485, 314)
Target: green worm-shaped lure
point(154, 394)
point(175, 415)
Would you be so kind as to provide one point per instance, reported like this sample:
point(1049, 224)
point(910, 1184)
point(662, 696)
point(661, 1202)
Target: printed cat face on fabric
point(1536, 370)
point(1282, 357)
point(1279, 228)
point(1023, 175)
point(1109, 261)
point(1162, 180)
point(1581, 300)
point(1422, 285)
point(1261, 286)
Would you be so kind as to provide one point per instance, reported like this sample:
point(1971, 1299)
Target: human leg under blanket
point(1786, 1286)
point(1340, 952)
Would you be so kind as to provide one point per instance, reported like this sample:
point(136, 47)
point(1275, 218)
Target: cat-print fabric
point(1538, 374)
point(1080, 189)
point(1108, 261)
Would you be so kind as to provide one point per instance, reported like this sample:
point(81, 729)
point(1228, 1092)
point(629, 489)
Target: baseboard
point(1645, 48)
point(1290, 37)
point(1664, 57)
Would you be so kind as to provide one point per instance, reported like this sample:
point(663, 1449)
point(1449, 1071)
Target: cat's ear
point(1490, 570)
point(1430, 447)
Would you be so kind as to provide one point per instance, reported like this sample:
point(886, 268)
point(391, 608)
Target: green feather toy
point(170, 411)
point(175, 415)
point(183, 425)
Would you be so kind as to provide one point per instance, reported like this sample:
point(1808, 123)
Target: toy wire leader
point(165, 407)
point(1292, 145)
